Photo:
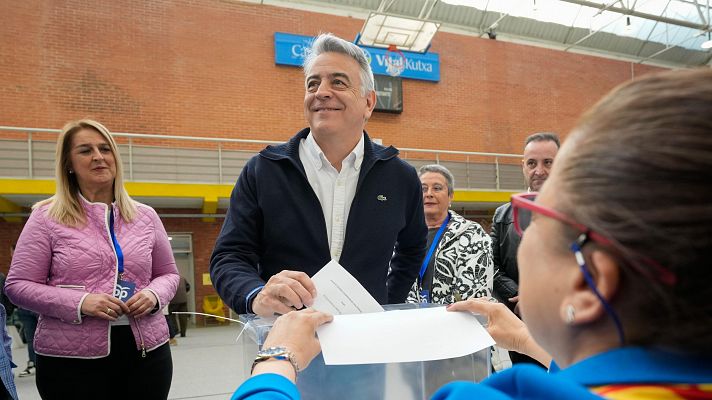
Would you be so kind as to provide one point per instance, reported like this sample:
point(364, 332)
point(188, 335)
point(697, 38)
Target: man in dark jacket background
point(539, 152)
point(328, 193)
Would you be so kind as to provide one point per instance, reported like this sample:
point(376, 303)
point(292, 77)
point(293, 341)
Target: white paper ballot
point(401, 336)
point(338, 292)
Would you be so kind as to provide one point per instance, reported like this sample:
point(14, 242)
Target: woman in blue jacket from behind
point(614, 264)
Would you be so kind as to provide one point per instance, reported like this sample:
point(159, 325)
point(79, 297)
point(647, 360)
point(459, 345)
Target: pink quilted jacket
point(54, 267)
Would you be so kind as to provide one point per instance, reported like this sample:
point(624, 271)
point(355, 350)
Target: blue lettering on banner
point(291, 49)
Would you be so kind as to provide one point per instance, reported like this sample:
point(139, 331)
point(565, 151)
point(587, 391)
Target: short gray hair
point(328, 43)
point(543, 137)
point(439, 169)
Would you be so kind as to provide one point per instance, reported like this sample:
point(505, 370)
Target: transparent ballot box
point(403, 381)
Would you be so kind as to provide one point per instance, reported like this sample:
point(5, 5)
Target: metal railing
point(29, 153)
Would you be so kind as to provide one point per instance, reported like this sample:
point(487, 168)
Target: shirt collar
point(354, 159)
point(356, 155)
point(639, 365)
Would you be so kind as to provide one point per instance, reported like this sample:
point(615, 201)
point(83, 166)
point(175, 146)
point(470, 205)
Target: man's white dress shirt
point(334, 189)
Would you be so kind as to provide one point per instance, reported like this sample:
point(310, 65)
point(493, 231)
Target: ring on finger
point(108, 310)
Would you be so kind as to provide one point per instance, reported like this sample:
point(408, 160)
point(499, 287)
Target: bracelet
point(276, 353)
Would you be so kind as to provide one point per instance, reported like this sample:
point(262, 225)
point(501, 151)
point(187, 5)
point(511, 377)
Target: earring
point(71, 171)
point(570, 314)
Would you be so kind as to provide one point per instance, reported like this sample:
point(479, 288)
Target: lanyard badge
point(123, 289)
point(425, 294)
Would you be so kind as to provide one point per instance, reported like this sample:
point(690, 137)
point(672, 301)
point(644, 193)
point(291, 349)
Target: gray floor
point(207, 365)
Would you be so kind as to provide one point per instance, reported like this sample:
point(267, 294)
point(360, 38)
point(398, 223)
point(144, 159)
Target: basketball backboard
point(406, 34)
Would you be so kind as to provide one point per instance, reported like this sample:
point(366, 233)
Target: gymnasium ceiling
point(659, 32)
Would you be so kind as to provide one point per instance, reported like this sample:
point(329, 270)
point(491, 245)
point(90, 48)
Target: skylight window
point(568, 13)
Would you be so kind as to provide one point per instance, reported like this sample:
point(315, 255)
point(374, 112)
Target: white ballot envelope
point(401, 336)
point(338, 292)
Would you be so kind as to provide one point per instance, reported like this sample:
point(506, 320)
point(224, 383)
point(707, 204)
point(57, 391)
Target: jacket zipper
point(140, 336)
point(108, 210)
point(116, 273)
point(111, 243)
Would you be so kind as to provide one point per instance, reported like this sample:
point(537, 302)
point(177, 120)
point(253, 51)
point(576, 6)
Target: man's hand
point(284, 292)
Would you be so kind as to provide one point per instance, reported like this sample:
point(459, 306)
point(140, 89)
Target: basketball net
point(395, 61)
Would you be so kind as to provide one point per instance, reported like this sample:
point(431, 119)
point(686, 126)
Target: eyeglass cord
point(576, 248)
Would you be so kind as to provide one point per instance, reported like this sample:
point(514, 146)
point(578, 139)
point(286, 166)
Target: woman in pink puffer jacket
point(98, 268)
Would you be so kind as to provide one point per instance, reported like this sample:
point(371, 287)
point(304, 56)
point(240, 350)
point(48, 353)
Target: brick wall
point(207, 68)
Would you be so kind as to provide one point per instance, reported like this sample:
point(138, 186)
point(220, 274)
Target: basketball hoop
point(394, 60)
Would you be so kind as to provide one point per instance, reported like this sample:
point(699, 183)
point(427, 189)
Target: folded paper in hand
point(362, 334)
point(338, 292)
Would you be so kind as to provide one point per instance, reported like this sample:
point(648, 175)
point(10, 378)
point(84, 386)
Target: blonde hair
point(65, 206)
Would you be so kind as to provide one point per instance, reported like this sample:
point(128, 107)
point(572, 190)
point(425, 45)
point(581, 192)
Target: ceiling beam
point(427, 9)
point(609, 5)
point(701, 14)
point(591, 33)
point(573, 26)
point(385, 5)
point(481, 22)
point(668, 47)
point(647, 39)
point(634, 13)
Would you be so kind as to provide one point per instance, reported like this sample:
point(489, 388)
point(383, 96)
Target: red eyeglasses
point(523, 206)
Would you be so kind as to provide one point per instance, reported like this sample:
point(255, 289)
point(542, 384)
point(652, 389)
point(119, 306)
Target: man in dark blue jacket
point(328, 193)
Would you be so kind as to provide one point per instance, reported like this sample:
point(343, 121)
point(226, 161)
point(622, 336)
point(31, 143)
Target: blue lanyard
point(117, 247)
point(433, 245)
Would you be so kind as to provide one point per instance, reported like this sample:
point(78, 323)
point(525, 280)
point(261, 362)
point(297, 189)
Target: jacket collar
point(372, 152)
point(97, 211)
point(639, 365)
point(353, 160)
point(455, 228)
